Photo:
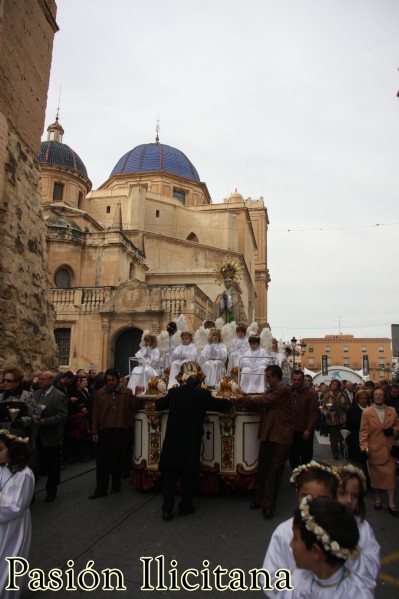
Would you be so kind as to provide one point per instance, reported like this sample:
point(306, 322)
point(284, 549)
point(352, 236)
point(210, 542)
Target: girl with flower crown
point(320, 480)
point(351, 492)
point(315, 479)
point(17, 485)
point(325, 536)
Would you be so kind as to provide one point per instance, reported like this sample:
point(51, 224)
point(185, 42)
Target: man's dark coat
point(187, 408)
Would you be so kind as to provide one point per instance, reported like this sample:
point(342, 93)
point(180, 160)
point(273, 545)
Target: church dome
point(55, 153)
point(156, 157)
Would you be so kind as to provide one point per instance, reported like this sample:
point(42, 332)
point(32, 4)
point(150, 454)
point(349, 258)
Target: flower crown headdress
point(322, 535)
point(313, 465)
point(351, 469)
point(7, 434)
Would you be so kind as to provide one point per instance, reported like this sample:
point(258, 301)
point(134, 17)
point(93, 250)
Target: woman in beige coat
point(379, 429)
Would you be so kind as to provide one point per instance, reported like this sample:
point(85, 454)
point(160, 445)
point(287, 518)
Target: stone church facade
point(142, 249)
point(27, 32)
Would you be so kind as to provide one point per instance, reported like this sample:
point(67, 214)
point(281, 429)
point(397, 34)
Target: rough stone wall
point(27, 30)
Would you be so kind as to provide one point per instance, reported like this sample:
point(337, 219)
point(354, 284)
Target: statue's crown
point(228, 271)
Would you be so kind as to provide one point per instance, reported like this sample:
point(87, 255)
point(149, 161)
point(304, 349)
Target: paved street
point(116, 531)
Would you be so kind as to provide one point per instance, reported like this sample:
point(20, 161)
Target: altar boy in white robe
point(148, 368)
point(254, 363)
point(185, 352)
point(238, 347)
point(213, 358)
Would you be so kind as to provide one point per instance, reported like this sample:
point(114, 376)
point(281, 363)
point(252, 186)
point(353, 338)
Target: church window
point(192, 237)
point(62, 278)
point(58, 192)
point(179, 195)
point(63, 341)
point(80, 199)
point(157, 213)
point(108, 210)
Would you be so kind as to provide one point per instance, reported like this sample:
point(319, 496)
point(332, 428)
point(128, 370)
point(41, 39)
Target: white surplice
point(147, 370)
point(253, 367)
point(366, 567)
point(182, 353)
point(213, 363)
point(237, 350)
point(15, 523)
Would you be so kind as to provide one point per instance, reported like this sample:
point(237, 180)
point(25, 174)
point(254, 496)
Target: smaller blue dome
point(55, 153)
point(156, 157)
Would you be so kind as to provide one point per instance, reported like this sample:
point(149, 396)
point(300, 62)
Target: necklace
point(344, 574)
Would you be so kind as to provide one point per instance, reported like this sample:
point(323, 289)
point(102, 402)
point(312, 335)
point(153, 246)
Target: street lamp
point(294, 344)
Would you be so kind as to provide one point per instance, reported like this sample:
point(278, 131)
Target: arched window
point(192, 237)
point(62, 278)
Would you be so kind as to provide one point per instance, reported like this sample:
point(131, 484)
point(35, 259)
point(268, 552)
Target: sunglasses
point(8, 380)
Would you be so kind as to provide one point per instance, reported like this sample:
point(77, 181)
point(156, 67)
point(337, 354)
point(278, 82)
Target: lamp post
point(294, 344)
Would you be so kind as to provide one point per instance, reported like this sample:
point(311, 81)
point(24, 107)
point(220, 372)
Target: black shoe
point(268, 514)
point(167, 515)
point(50, 497)
point(186, 511)
point(96, 495)
point(393, 512)
point(255, 505)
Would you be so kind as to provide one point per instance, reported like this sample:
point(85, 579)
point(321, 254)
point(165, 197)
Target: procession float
point(230, 444)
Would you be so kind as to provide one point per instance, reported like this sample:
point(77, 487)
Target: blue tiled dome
point(156, 157)
point(55, 153)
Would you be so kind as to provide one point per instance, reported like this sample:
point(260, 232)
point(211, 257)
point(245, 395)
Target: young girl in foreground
point(325, 535)
point(351, 492)
point(17, 484)
point(319, 480)
point(315, 479)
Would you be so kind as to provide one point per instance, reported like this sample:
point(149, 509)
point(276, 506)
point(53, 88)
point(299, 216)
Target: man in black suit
point(50, 429)
point(180, 455)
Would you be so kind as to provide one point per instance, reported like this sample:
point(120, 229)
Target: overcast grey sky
point(292, 100)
